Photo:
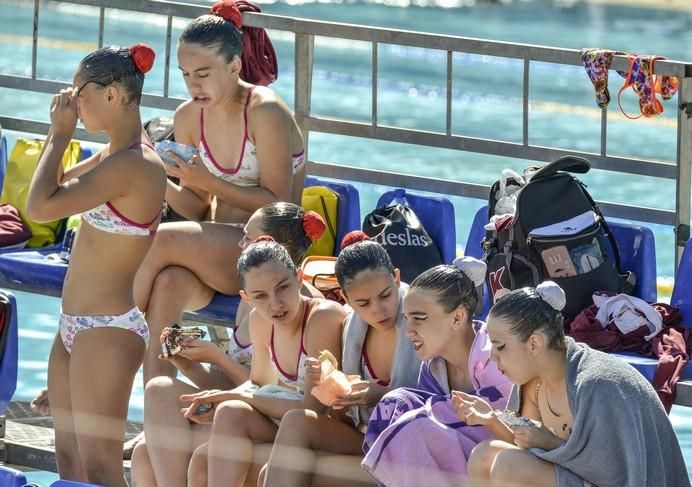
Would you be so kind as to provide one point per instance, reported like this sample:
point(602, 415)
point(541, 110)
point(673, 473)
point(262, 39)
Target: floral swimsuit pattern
point(132, 320)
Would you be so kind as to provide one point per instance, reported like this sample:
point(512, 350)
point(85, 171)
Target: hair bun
point(263, 238)
point(313, 225)
point(473, 268)
point(143, 56)
point(227, 10)
point(552, 294)
point(352, 237)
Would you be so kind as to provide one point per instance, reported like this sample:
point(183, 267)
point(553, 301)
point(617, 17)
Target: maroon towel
point(13, 231)
point(669, 346)
point(258, 59)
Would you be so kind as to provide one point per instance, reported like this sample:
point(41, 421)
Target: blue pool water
point(486, 103)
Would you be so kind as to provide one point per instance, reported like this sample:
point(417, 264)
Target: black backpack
point(557, 233)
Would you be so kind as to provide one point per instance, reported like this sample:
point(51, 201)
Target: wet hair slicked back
point(217, 33)
point(527, 313)
point(284, 222)
point(113, 65)
point(452, 287)
point(260, 253)
point(361, 256)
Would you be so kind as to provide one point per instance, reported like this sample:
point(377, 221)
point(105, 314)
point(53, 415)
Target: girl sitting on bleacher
point(415, 436)
point(581, 417)
point(285, 327)
point(119, 192)
point(285, 222)
point(249, 154)
point(375, 348)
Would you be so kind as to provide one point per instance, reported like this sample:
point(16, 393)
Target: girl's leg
point(66, 448)
point(141, 472)
point(175, 289)
point(170, 437)
point(230, 456)
point(302, 432)
point(481, 460)
point(208, 250)
point(103, 364)
point(197, 470)
point(520, 468)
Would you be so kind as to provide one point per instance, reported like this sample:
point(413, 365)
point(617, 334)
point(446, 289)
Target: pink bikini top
point(107, 218)
point(246, 171)
point(296, 380)
point(368, 372)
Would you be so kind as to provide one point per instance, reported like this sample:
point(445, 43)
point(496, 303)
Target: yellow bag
point(20, 169)
point(325, 202)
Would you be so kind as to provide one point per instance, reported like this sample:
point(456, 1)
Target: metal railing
point(305, 31)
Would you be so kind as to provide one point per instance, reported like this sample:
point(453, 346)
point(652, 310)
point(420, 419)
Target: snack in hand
point(185, 152)
point(333, 383)
point(512, 420)
point(173, 338)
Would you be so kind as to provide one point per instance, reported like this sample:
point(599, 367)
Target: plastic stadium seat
point(348, 207)
point(8, 353)
point(682, 297)
point(436, 213)
point(10, 477)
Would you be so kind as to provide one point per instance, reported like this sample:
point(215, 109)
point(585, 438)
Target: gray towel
point(621, 436)
point(405, 365)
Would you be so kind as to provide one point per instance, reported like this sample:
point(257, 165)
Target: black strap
point(572, 164)
point(329, 223)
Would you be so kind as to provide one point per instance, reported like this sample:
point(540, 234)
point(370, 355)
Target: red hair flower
point(227, 10)
point(143, 57)
point(352, 237)
point(263, 238)
point(313, 225)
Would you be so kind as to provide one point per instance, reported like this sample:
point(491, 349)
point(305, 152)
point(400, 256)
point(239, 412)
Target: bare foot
point(130, 445)
point(40, 403)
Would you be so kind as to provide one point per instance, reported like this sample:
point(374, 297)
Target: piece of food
point(333, 383)
point(173, 338)
point(512, 420)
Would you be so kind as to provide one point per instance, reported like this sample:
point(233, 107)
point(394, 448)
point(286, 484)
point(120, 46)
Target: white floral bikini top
point(239, 352)
point(246, 172)
point(107, 218)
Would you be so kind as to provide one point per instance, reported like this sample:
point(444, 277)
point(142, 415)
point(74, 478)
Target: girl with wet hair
point(570, 408)
point(284, 222)
point(375, 349)
point(285, 328)
point(415, 436)
point(249, 154)
point(119, 192)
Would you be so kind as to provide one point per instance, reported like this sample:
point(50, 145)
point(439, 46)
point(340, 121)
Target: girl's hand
point(200, 351)
point(537, 436)
point(362, 394)
point(471, 409)
point(63, 112)
point(203, 405)
point(192, 172)
point(313, 371)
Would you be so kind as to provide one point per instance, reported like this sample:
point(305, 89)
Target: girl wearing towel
point(414, 436)
point(285, 328)
point(596, 420)
point(375, 348)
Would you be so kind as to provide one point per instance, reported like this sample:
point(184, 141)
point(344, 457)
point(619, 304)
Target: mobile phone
point(185, 152)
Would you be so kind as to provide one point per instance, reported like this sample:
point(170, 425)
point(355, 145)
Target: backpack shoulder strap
point(572, 164)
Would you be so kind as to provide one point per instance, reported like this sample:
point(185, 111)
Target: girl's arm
point(229, 373)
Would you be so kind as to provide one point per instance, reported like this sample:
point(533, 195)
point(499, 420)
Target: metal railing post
point(304, 56)
point(684, 166)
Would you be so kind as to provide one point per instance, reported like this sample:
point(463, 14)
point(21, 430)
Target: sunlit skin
point(252, 230)
point(206, 74)
point(514, 358)
point(374, 294)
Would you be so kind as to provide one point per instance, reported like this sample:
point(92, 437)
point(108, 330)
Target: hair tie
point(352, 237)
point(143, 56)
point(227, 10)
point(263, 238)
point(313, 225)
point(474, 269)
point(552, 294)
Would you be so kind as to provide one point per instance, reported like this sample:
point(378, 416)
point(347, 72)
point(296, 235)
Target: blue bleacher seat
point(348, 207)
point(682, 292)
point(436, 213)
point(9, 477)
point(3, 159)
point(9, 353)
